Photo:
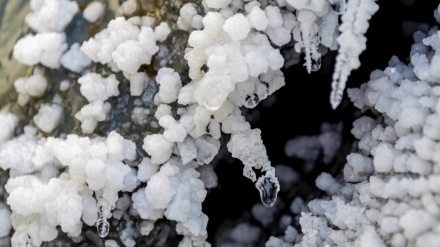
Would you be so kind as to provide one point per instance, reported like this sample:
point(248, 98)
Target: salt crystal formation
point(387, 196)
point(44, 48)
point(51, 15)
point(123, 142)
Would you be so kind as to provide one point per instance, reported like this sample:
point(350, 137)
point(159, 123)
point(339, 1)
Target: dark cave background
point(300, 107)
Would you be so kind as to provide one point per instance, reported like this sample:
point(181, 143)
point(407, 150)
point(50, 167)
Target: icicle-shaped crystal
point(352, 43)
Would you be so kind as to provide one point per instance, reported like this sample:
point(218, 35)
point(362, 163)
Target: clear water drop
point(268, 191)
point(316, 64)
point(102, 226)
point(339, 6)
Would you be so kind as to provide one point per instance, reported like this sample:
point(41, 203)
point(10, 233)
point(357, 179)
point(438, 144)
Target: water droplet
point(102, 226)
point(316, 64)
point(268, 191)
point(339, 6)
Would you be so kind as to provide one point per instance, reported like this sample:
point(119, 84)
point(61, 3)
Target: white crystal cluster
point(96, 89)
point(234, 59)
point(32, 86)
point(44, 48)
point(48, 18)
point(174, 180)
point(51, 15)
point(46, 199)
point(389, 192)
point(126, 44)
point(93, 11)
point(242, 68)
